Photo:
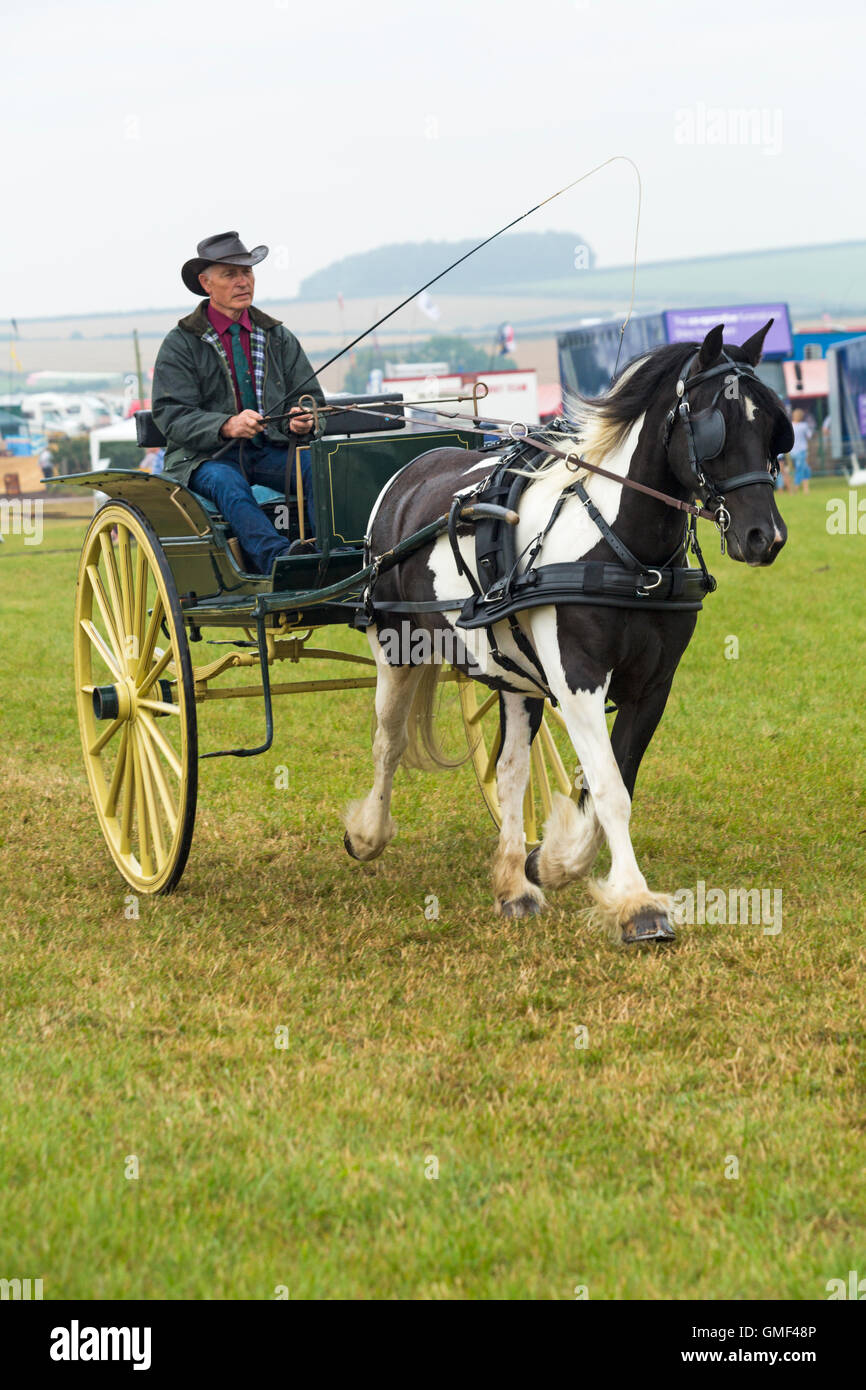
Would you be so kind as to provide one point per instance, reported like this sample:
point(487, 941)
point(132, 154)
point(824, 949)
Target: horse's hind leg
point(572, 839)
point(520, 717)
point(369, 827)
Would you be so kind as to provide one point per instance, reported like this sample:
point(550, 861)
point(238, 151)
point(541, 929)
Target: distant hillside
point(401, 268)
point(812, 279)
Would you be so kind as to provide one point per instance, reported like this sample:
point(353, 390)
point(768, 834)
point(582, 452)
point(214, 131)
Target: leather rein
point(717, 512)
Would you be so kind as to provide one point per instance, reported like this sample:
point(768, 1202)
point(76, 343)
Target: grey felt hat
point(226, 248)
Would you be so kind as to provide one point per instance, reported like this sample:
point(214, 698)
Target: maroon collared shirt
point(222, 326)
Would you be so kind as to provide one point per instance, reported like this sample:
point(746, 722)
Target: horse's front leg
point(628, 909)
point(520, 718)
point(369, 827)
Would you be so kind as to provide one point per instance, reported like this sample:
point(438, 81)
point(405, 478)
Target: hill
point(401, 268)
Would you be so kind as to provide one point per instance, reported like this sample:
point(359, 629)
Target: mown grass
point(452, 1039)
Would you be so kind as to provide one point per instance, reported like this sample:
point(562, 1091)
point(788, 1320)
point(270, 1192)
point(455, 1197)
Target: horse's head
point(723, 437)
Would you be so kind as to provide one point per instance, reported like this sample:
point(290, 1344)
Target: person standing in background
point(799, 453)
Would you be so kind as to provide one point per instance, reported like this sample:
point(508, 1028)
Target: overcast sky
point(134, 130)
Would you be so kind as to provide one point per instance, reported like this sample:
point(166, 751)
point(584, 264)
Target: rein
point(574, 461)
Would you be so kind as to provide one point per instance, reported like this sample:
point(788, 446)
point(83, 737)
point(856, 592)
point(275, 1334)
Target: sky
point(133, 131)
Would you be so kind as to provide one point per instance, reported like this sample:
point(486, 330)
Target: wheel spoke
point(109, 806)
point(113, 580)
point(490, 769)
point(539, 772)
point(483, 708)
point(126, 590)
point(150, 799)
point(99, 643)
point(129, 789)
point(144, 855)
point(159, 707)
point(107, 733)
point(105, 609)
point(556, 716)
point(140, 599)
point(156, 671)
point(162, 744)
point(145, 652)
point(156, 772)
point(563, 781)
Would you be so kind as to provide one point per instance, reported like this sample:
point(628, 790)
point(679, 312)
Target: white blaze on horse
point(595, 603)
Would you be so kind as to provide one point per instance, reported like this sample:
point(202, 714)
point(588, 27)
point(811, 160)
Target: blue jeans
point(223, 483)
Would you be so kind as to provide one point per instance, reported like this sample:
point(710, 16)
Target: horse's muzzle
point(760, 545)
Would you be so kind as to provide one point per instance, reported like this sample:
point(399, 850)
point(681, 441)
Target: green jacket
point(193, 391)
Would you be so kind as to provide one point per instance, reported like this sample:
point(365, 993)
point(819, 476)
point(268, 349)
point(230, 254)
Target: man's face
point(230, 288)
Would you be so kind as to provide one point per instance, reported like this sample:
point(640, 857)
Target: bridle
point(705, 437)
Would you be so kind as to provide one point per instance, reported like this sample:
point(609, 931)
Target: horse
point(683, 420)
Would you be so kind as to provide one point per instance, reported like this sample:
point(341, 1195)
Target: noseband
point(705, 437)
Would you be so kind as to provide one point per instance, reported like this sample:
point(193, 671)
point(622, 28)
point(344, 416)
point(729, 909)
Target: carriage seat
point(262, 494)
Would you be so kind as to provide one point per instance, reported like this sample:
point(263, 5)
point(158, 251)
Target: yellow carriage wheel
point(553, 762)
point(135, 698)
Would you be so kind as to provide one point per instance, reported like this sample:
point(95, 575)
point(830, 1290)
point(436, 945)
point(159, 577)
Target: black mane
point(623, 403)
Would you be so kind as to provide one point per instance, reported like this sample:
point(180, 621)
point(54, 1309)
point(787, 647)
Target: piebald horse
point(589, 654)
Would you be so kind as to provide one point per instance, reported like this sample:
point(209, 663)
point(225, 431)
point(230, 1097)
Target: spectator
point(799, 453)
point(153, 461)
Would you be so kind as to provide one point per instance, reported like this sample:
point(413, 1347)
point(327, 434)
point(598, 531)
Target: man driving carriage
point(218, 375)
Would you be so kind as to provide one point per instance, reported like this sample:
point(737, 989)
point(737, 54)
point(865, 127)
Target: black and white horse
point(588, 654)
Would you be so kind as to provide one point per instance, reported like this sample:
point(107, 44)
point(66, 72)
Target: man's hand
point(300, 422)
point(244, 426)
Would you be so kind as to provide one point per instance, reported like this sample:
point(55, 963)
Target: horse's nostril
point(758, 541)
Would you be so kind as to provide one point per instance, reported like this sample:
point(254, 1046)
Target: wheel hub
point(120, 701)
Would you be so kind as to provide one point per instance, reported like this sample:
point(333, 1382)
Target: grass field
point(451, 1042)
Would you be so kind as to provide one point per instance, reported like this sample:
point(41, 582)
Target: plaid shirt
point(256, 354)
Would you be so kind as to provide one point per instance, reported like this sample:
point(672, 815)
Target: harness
point(705, 437)
point(509, 582)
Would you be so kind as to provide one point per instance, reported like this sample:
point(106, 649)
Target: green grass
point(605, 1166)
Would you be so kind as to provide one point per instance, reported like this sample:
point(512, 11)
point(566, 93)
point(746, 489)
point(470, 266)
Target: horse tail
point(424, 750)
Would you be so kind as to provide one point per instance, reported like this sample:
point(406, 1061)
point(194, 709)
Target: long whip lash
point(558, 194)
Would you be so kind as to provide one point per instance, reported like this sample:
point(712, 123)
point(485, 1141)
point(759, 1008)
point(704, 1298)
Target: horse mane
point(602, 422)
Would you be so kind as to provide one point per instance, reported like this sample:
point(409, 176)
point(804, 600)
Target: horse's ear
point(711, 348)
point(754, 346)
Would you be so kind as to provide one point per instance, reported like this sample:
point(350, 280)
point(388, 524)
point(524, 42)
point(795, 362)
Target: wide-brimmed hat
point(226, 248)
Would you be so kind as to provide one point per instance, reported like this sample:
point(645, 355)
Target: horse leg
point(520, 717)
point(573, 833)
point(572, 839)
point(369, 827)
point(634, 726)
point(627, 907)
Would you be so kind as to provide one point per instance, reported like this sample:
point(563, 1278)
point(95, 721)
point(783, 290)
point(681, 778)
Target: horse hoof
point(348, 847)
point(531, 866)
point(525, 906)
point(647, 925)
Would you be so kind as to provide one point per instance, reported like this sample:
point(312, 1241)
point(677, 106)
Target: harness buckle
point(648, 588)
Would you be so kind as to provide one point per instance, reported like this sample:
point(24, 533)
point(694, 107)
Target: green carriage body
point(348, 475)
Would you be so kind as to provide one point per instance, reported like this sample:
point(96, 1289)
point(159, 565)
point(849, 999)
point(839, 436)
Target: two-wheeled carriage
point(164, 608)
